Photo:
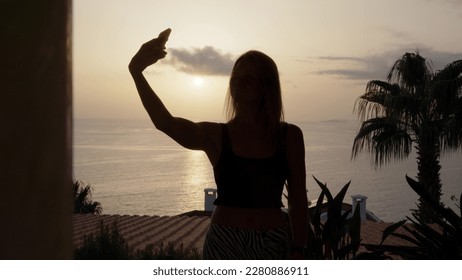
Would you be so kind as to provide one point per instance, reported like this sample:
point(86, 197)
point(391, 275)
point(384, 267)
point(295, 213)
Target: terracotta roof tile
point(140, 231)
point(189, 230)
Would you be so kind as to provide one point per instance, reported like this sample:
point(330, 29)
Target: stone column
point(35, 129)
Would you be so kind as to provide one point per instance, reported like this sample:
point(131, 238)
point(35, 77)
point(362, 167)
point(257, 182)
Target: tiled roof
point(188, 229)
point(140, 231)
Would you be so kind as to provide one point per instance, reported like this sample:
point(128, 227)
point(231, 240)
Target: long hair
point(268, 77)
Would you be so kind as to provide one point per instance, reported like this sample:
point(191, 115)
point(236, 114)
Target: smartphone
point(164, 34)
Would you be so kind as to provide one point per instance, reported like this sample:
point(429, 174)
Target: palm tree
point(417, 108)
point(83, 203)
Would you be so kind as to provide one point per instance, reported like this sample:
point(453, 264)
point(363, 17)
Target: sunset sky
point(326, 51)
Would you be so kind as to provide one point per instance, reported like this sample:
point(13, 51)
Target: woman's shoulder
point(210, 125)
point(294, 137)
point(294, 142)
point(212, 137)
point(292, 130)
point(212, 129)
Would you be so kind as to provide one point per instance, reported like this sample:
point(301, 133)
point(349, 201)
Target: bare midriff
point(251, 218)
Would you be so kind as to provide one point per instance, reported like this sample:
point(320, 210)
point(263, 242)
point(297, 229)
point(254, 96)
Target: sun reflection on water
point(195, 177)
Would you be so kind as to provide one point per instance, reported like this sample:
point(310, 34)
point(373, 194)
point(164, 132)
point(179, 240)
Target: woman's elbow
point(162, 125)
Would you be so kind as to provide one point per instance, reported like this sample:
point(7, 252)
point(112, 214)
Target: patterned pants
point(232, 243)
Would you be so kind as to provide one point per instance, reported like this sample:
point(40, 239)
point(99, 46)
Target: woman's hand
point(150, 52)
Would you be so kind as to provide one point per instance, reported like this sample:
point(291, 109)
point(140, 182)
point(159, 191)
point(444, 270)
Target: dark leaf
point(355, 226)
point(391, 229)
point(446, 213)
point(325, 190)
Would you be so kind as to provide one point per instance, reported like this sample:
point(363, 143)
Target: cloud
point(453, 3)
point(395, 33)
point(376, 66)
point(201, 61)
point(348, 74)
point(354, 68)
point(340, 58)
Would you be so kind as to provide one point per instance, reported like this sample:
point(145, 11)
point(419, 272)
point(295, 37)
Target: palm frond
point(446, 89)
point(372, 102)
point(384, 138)
point(450, 71)
point(410, 71)
point(83, 203)
point(386, 99)
point(451, 136)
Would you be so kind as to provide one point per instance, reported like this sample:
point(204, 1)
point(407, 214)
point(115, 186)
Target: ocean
point(135, 169)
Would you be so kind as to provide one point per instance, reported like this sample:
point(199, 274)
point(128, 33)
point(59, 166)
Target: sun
point(198, 81)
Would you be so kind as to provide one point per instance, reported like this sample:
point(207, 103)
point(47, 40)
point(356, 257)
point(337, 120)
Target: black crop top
point(250, 182)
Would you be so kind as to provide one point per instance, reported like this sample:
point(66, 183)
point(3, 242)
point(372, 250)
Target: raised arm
point(296, 187)
point(197, 136)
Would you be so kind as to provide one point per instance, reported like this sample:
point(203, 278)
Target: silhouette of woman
point(253, 155)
